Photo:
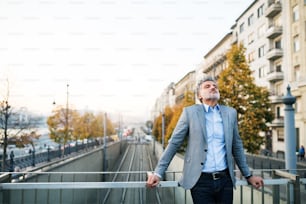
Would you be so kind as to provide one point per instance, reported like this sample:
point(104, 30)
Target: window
point(251, 20)
point(280, 135)
point(261, 72)
point(251, 56)
point(278, 44)
point(278, 112)
point(297, 138)
point(297, 73)
point(261, 51)
point(251, 38)
point(261, 31)
point(278, 89)
point(241, 28)
point(295, 13)
point(297, 105)
point(260, 11)
point(278, 68)
point(296, 44)
point(277, 21)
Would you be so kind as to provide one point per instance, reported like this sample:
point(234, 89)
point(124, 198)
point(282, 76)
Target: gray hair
point(204, 79)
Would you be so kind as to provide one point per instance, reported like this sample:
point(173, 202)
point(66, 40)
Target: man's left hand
point(256, 181)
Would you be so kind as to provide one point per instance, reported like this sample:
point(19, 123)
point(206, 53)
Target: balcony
point(277, 122)
point(275, 98)
point(273, 9)
point(274, 31)
point(274, 53)
point(275, 76)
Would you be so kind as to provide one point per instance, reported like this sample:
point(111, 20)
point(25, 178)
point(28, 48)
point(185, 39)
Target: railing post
point(262, 189)
point(48, 155)
point(275, 189)
point(33, 157)
point(59, 151)
point(12, 161)
point(297, 195)
point(241, 192)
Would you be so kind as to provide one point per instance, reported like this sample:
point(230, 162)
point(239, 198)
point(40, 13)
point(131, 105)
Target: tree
point(238, 90)
point(177, 110)
point(27, 138)
point(13, 124)
point(5, 114)
point(157, 128)
point(60, 125)
point(172, 114)
point(98, 126)
point(82, 129)
point(189, 100)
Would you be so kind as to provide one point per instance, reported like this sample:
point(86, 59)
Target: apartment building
point(274, 34)
point(175, 93)
point(167, 98)
point(184, 85)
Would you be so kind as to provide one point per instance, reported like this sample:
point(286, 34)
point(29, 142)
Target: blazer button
point(205, 150)
point(202, 163)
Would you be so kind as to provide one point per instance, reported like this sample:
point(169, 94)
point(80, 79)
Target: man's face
point(209, 91)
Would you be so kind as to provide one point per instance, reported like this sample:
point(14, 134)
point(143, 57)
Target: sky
point(116, 56)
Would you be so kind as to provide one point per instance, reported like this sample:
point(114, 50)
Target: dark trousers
point(210, 191)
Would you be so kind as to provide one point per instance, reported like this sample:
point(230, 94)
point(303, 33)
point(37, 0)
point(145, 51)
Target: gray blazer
point(192, 125)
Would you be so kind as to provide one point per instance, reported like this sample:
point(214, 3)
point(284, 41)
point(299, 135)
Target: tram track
point(133, 166)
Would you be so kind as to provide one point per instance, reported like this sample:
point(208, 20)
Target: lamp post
point(163, 130)
point(290, 134)
point(104, 148)
point(63, 138)
point(290, 140)
point(67, 121)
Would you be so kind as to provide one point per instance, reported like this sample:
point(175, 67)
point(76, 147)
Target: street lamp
point(104, 146)
point(66, 126)
point(163, 130)
point(67, 121)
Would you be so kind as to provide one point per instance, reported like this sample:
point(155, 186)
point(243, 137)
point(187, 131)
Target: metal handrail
point(106, 185)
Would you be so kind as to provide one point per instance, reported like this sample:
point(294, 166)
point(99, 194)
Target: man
point(302, 153)
point(213, 145)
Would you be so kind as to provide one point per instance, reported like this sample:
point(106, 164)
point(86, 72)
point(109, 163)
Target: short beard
point(213, 96)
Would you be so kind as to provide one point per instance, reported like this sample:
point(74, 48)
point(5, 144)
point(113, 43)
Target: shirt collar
point(206, 107)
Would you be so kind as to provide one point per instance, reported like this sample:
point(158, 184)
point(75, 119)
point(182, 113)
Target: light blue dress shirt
point(216, 152)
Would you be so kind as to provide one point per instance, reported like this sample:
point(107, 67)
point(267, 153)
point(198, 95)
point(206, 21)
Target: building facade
point(274, 35)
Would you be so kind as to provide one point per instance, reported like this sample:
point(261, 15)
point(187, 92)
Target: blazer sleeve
point(176, 140)
point(238, 150)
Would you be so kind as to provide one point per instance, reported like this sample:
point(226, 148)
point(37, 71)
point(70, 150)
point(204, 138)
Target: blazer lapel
point(226, 129)
point(201, 120)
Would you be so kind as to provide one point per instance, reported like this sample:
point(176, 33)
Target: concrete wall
point(88, 162)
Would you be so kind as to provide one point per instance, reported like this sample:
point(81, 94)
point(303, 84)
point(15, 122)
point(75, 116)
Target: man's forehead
point(209, 82)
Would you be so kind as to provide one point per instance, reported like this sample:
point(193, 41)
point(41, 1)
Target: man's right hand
point(153, 180)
